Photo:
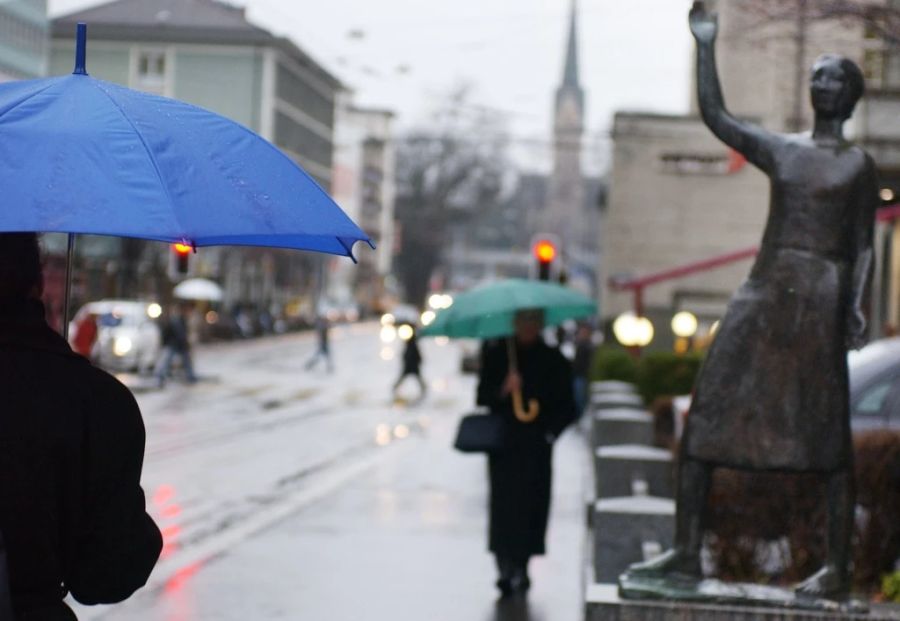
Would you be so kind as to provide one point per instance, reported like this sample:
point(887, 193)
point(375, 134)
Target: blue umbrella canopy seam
point(98, 84)
point(31, 96)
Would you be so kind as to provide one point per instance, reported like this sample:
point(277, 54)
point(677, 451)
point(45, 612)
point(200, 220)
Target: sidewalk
point(405, 541)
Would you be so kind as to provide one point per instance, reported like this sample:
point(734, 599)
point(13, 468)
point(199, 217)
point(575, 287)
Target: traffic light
point(544, 251)
point(182, 253)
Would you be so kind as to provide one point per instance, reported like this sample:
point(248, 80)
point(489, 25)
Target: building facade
point(206, 53)
point(24, 39)
point(364, 186)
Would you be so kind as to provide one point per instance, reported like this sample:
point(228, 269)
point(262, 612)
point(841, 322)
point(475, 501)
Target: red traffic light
point(182, 249)
point(544, 251)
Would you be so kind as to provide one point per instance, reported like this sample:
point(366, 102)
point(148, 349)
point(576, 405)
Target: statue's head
point(836, 85)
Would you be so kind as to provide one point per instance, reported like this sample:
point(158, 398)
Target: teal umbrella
point(488, 311)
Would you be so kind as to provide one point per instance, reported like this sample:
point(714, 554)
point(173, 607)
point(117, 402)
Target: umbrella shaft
point(70, 260)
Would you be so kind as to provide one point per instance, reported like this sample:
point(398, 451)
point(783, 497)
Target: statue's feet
point(827, 583)
point(674, 562)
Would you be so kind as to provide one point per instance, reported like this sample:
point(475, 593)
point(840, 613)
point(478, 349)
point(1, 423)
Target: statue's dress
point(773, 392)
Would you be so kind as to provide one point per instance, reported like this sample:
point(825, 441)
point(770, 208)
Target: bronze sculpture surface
point(773, 392)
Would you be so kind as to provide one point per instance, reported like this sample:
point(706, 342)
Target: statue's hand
point(856, 329)
point(704, 25)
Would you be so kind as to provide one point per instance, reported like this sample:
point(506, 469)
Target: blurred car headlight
point(122, 345)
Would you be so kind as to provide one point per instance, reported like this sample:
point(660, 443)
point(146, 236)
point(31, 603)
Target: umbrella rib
point(152, 159)
point(35, 94)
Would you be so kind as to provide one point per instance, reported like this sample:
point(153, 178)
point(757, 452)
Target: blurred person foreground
point(72, 512)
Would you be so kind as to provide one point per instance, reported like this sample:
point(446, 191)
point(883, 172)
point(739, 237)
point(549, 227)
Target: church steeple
point(565, 201)
point(570, 73)
point(569, 95)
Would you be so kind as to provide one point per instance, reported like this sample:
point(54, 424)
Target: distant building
point(364, 186)
point(679, 196)
point(564, 204)
point(24, 39)
point(206, 52)
point(496, 243)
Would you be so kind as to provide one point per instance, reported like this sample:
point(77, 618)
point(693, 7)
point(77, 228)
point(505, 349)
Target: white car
point(128, 338)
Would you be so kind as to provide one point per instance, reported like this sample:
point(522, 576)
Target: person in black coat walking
point(72, 512)
point(412, 366)
point(175, 342)
point(521, 474)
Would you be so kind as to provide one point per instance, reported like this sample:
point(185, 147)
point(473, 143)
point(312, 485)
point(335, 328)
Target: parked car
point(874, 388)
point(128, 337)
point(875, 385)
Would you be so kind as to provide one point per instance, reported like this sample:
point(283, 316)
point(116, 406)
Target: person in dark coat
point(72, 511)
point(520, 475)
point(175, 342)
point(412, 366)
point(323, 350)
point(581, 365)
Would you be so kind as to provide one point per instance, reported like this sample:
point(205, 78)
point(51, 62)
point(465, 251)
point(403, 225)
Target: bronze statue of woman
point(773, 392)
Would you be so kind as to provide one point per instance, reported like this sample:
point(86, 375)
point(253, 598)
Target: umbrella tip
point(81, 49)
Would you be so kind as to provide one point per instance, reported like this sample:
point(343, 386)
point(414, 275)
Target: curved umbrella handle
point(525, 416)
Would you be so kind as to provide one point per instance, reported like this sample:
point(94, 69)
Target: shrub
point(665, 374)
point(613, 363)
point(756, 535)
point(890, 587)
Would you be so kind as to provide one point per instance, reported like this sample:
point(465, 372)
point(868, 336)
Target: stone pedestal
point(631, 469)
point(621, 426)
point(612, 386)
point(605, 400)
point(603, 604)
point(629, 530)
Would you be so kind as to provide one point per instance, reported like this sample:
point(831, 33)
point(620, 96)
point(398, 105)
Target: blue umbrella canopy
point(80, 155)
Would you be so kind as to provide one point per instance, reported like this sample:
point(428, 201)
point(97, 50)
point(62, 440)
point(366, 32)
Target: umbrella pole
point(70, 259)
point(525, 416)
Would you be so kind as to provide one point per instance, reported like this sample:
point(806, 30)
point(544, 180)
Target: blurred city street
point(292, 494)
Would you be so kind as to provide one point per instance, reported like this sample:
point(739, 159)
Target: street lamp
point(684, 324)
point(633, 331)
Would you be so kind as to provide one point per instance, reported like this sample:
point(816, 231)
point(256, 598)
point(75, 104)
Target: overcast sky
point(404, 54)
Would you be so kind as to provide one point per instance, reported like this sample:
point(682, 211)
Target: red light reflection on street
point(166, 511)
point(163, 494)
point(172, 511)
point(170, 540)
point(180, 579)
point(180, 601)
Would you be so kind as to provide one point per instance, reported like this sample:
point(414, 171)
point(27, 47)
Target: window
point(151, 71)
point(872, 400)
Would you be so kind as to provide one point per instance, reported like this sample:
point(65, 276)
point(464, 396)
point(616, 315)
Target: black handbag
point(481, 433)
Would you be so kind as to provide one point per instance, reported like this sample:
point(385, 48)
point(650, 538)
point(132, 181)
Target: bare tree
point(445, 172)
point(879, 18)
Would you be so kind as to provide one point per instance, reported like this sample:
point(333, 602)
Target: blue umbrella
point(80, 155)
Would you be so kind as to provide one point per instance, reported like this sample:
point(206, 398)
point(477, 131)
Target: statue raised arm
point(752, 141)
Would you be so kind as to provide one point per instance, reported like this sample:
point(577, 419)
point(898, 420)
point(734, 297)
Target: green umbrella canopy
point(488, 311)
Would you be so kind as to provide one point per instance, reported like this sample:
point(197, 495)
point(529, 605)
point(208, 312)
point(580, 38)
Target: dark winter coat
point(412, 358)
point(521, 474)
point(175, 334)
point(72, 511)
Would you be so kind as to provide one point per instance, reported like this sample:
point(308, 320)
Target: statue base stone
point(756, 603)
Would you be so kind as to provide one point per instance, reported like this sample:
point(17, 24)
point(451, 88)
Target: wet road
point(284, 494)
